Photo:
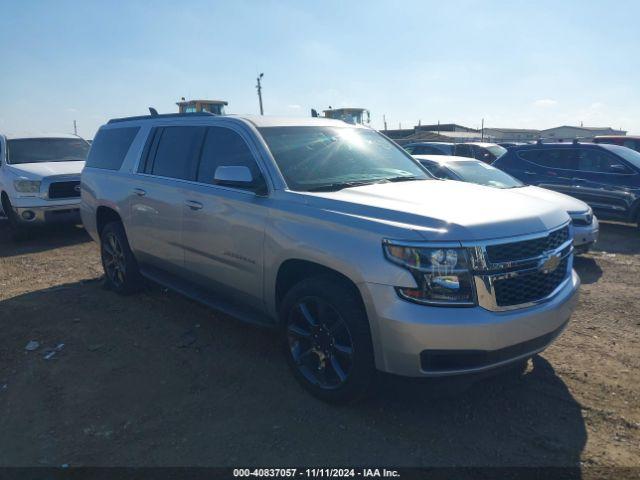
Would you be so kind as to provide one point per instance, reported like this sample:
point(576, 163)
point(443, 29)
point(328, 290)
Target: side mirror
point(239, 177)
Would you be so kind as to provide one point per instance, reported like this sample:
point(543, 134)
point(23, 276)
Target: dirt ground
point(155, 379)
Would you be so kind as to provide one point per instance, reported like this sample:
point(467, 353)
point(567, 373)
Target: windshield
point(40, 150)
point(439, 171)
point(497, 151)
point(483, 174)
point(629, 155)
point(327, 158)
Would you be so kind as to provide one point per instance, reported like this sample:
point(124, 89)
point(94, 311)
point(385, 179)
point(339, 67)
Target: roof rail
point(163, 115)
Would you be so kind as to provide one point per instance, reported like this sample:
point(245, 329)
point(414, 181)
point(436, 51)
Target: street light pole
point(259, 87)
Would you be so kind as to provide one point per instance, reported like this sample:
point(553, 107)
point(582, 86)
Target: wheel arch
point(294, 270)
point(105, 215)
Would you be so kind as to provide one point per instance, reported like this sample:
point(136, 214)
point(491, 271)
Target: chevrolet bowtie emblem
point(550, 263)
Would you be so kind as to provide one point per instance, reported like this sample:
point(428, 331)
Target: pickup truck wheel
point(120, 266)
point(19, 232)
point(327, 341)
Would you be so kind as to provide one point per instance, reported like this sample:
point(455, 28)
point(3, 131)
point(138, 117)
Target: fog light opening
point(28, 215)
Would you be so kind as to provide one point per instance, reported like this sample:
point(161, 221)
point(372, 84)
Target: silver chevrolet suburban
point(336, 236)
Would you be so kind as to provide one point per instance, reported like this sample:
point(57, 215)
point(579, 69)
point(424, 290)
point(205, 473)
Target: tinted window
point(224, 147)
point(551, 158)
point(110, 147)
point(591, 160)
point(40, 150)
point(178, 152)
point(631, 156)
point(464, 151)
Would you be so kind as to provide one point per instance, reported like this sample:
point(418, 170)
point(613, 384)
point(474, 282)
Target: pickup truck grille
point(69, 189)
point(510, 252)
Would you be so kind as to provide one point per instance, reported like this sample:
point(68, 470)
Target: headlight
point(27, 186)
point(582, 218)
point(442, 274)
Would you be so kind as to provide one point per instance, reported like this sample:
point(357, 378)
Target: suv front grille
point(510, 252)
point(64, 189)
point(529, 287)
point(517, 274)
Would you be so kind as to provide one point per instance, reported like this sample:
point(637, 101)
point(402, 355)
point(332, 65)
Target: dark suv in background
point(607, 177)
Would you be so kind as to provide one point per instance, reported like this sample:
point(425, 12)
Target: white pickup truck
point(40, 178)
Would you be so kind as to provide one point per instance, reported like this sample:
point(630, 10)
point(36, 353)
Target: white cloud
point(545, 102)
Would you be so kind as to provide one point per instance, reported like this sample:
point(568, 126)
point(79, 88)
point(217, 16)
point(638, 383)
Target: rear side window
point(551, 158)
point(177, 152)
point(110, 147)
point(224, 147)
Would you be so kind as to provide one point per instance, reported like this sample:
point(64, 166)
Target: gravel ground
point(155, 379)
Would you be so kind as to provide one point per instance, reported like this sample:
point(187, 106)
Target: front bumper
point(406, 335)
point(585, 236)
point(64, 212)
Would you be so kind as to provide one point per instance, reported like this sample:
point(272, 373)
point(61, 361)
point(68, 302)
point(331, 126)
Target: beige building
point(511, 134)
point(568, 133)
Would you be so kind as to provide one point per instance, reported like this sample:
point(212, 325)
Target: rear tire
point(120, 266)
point(326, 339)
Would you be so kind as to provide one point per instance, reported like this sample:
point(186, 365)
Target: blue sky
point(516, 63)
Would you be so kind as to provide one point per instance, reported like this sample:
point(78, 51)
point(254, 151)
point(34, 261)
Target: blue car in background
point(606, 177)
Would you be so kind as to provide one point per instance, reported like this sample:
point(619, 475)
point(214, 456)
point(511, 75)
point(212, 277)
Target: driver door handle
point(193, 205)
point(140, 192)
point(578, 180)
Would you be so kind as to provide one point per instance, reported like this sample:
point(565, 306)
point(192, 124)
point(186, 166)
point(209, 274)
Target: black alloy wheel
point(320, 343)
point(327, 340)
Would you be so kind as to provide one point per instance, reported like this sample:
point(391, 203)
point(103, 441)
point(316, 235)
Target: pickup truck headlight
point(27, 186)
point(442, 274)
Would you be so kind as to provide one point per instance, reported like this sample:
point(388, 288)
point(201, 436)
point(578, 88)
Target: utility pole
point(259, 87)
point(384, 120)
point(75, 128)
point(482, 134)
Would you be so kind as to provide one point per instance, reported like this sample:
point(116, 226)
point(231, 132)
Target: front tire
point(327, 341)
point(19, 232)
point(120, 266)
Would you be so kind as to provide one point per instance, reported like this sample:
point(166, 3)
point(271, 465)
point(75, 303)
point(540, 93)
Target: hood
point(570, 204)
point(46, 169)
point(445, 210)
